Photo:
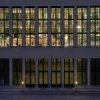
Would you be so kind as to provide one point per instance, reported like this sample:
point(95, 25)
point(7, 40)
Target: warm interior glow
point(22, 83)
point(76, 82)
point(78, 27)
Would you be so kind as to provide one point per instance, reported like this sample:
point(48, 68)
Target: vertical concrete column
point(49, 72)
point(36, 27)
point(88, 71)
point(62, 26)
point(36, 72)
point(49, 27)
point(75, 71)
point(62, 72)
point(23, 27)
point(23, 71)
point(10, 27)
point(10, 72)
point(75, 26)
point(88, 26)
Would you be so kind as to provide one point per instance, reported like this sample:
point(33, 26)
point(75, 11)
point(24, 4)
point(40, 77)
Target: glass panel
point(68, 72)
point(17, 71)
point(30, 72)
point(95, 26)
point(82, 71)
point(43, 40)
point(4, 71)
point(56, 39)
point(42, 26)
point(56, 72)
point(17, 26)
point(43, 72)
point(81, 39)
point(4, 27)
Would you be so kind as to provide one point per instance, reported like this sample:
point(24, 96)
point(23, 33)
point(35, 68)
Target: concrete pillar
point(62, 72)
point(88, 71)
point(23, 71)
point(75, 71)
point(36, 27)
point(49, 27)
point(10, 72)
point(49, 72)
point(36, 71)
point(10, 27)
point(23, 27)
point(62, 26)
point(88, 26)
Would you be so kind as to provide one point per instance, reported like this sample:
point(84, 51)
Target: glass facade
point(43, 26)
point(68, 27)
point(95, 26)
point(95, 71)
point(56, 72)
point(68, 72)
point(56, 26)
point(30, 26)
point(4, 71)
point(4, 27)
point(17, 71)
point(81, 26)
point(17, 26)
point(43, 72)
point(36, 28)
point(49, 68)
point(30, 72)
point(82, 71)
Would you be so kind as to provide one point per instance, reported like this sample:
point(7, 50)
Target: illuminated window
point(68, 72)
point(42, 26)
point(68, 27)
point(82, 71)
point(81, 26)
point(17, 26)
point(81, 39)
point(30, 72)
point(55, 72)
point(43, 72)
point(95, 26)
point(30, 26)
point(4, 27)
point(55, 26)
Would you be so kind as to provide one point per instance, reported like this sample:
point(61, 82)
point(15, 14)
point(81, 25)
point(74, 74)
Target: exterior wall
point(49, 52)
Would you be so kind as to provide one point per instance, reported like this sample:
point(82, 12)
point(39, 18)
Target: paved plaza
point(49, 97)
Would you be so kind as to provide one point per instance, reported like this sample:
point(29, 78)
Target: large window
point(17, 71)
point(17, 26)
point(68, 72)
point(81, 26)
point(30, 72)
point(43, 26)
point(30, 26)
point(43, 72)
point(68, 27)
point(95, 71)
point(4, 71)
point(4, 27)
point(82, 71)
point(55, 26)
point(55, 72)
point(95, 26)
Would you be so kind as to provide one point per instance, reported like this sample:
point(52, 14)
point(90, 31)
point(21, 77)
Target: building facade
point(49, 43)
